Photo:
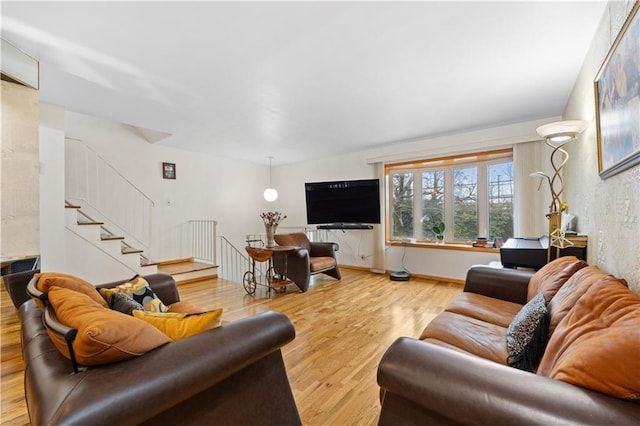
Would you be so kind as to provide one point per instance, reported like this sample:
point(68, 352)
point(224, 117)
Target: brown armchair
point(308, 259)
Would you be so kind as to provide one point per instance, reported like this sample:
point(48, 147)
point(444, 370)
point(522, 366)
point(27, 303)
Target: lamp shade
point(562, 131)
point(270, 194)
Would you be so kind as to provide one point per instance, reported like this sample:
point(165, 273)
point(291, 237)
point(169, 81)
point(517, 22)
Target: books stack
point(577, 239)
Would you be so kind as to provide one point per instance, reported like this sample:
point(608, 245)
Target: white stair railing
point(202, 234)
point(96, 185)
point(233, 263)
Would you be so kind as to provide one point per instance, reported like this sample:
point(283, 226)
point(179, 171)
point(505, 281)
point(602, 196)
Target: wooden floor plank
point(342, 330)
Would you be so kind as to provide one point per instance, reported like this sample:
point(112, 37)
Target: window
point(472, 195)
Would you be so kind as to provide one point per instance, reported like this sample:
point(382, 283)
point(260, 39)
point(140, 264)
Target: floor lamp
point(556, 136)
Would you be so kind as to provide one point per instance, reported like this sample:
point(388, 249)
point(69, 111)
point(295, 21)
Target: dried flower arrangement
point(272, 218)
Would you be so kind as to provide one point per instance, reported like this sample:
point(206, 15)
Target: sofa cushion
point(141, 292)
point(596, 345)
point(571, 291)
point(48, 279)
point(527, 334)
point(178, 326)
point(553, 275)
point(104, 336)
point(184, 307)
point(472, 335)
point(320, 263)
point(489, 309)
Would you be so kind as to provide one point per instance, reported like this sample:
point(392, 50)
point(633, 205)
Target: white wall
point(52, 230)
point(608, 211)
point(206, 187)
point(357, 247)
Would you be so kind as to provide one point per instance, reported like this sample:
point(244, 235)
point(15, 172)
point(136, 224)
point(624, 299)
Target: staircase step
point(105, 237)
point(187, 271)
point(90, 223)
point(131, 250)
point(72, 206)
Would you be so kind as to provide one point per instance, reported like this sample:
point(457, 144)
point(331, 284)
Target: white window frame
point(480, 160)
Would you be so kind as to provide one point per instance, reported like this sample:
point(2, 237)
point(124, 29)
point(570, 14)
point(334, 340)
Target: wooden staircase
point(114, 245)
point(184, 271)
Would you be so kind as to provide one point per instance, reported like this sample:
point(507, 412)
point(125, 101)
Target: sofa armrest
point(145, 387)
point(505, 284)
point(16, 285)
point(454, 387)
point(323, 249)
point(163, 285)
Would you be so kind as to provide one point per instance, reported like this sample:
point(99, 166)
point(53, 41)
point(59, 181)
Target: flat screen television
point(343, 202)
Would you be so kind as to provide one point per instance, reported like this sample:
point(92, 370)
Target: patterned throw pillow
point(527, 334)
point(141, 292)
point(178, 326)
point(124, 303)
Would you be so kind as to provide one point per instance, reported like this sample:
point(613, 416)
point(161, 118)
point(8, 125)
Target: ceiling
point(297, 80)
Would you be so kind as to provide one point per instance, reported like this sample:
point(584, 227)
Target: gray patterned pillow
point(527, 334)
point(124, 303)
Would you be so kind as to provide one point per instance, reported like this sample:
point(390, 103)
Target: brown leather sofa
point(231, 375)
point(309, 258)
point(455, 373)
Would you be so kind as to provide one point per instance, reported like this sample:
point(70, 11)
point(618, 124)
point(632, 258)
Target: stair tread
point(90, 223)
point(110, 237)
point(184, 267)
point(130, 250)
point(72, 206)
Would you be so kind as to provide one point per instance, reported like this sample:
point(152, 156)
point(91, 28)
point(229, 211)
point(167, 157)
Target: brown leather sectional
point(230, 375)
point(456, 371)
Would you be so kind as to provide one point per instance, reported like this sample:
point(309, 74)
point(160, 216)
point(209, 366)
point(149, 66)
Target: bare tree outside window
point(432, 202)
point(501, 200)
point(402, 200)
point(465, 203)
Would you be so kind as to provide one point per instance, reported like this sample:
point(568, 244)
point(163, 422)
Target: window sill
point(445, 246)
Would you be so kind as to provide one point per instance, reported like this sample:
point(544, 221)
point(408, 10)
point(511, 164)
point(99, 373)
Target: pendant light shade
point(270, 194)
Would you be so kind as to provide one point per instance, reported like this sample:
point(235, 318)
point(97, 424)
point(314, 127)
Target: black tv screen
point(343, 202)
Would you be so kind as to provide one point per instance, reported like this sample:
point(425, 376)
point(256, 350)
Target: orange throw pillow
point(104, 336)
point(48, 279)
point(596, 346)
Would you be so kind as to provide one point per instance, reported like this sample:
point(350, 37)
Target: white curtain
point(530, 204)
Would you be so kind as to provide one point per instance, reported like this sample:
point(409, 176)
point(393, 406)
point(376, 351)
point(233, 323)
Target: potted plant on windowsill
point(439, 231)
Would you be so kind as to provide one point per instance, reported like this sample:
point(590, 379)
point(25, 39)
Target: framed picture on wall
point(168, 170)
point(617, 90)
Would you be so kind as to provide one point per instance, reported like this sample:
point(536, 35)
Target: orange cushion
point(571, 291)
point(104, 335)
point(48, 279)
point(184, 307)
point(553, 275)
point(597, 345)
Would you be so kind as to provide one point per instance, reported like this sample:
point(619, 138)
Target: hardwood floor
point(342, 330)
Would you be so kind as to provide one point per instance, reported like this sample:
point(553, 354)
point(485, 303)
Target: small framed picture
point(168, 170)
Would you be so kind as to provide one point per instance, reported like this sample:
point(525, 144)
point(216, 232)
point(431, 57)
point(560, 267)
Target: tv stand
point(345, 226)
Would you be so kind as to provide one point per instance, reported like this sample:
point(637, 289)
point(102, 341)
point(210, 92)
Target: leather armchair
point(309, 258)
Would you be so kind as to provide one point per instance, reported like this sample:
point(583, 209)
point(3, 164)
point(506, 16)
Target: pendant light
point(270, 194)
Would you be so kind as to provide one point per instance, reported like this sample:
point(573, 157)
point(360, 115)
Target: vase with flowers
point(271, 221)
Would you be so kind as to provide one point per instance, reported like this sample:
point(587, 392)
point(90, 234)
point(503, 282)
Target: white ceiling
point(296, 80)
